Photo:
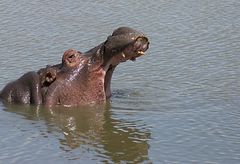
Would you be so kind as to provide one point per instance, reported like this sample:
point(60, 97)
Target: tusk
point(140, 53)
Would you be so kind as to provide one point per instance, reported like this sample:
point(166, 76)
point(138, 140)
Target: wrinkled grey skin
point(29, 88)
point(81, 78)
point(32, 86)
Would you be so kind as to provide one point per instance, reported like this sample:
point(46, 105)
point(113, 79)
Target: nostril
point(145, 47)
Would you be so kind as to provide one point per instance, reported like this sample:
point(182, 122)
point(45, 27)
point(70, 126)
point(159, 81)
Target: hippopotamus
point(82, 78)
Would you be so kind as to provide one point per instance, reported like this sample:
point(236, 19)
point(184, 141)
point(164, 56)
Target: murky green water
point(177, 104)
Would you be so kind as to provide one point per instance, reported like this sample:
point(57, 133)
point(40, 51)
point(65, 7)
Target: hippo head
point(86, 78)
point(124, 44)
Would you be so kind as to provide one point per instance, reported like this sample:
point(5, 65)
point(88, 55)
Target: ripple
point(177, 104)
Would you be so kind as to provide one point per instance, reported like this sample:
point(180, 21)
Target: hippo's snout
point(141, 45)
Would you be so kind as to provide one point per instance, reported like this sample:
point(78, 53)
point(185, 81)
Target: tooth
point(140, 52)
point(123, 55)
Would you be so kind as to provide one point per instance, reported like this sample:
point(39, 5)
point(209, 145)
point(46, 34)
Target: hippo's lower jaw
point(107, 81)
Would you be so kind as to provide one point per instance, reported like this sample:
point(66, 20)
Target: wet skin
point(63, 87)
point(81, 78)
point(25, 90)
point(29, 88)
point(88, 81)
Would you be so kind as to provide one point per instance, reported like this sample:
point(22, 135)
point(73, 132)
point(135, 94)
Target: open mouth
point(139, 53)
point(140, 46)
point(133, 51)
point(107, 80)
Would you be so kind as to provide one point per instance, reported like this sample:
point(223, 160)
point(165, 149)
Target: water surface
point(177, 104)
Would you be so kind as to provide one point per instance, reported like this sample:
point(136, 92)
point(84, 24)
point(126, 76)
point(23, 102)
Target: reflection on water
point(92, 129)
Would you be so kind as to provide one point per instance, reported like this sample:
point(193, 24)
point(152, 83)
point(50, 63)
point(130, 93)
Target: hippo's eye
point(72, 56)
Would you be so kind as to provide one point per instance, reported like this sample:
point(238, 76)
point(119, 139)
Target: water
point(177, 104)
